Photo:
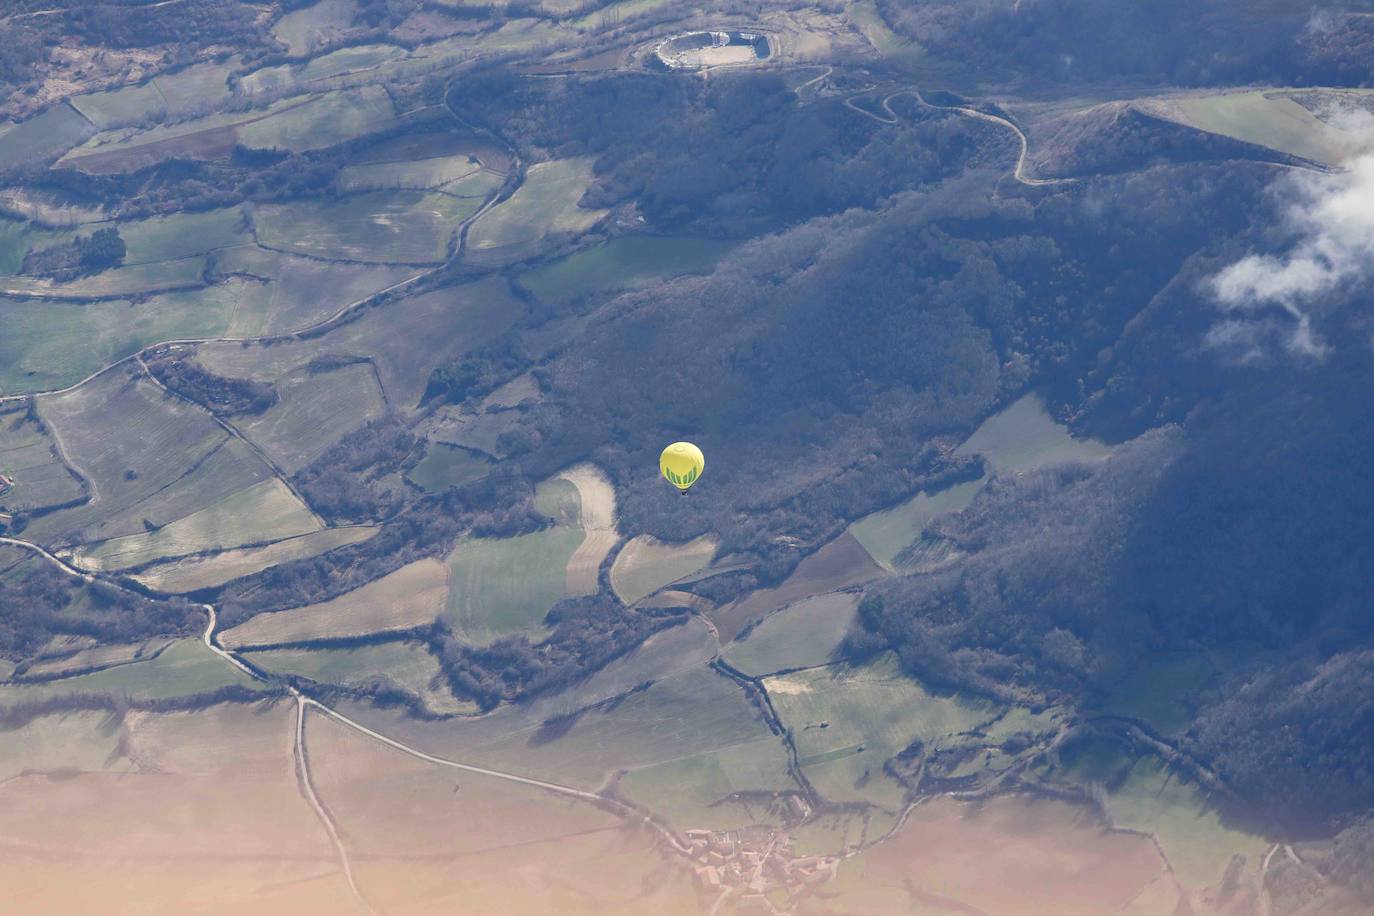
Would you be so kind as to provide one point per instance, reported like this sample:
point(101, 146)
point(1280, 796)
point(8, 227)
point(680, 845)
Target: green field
point(1144, 794)
point(415, 175)
point(151, 459)
point(689, 791)
point(447, 466)
point(686, 714)
point(266, 511)
point(645, 565)
point(407, 665)
point(127, 149)
point(1268, 119)
point(134, 280)
point(29, 457)
point(315, 409)
point(1024, 438)
point(378, 227)
point(180, 235)
point(301, 28)
point(186, 667)
point(288, 78)
point(798, 636)
point(193, 573)
point(39, 138)
point(1157, 689)
point(615, 14)
point(866, 16)
point(43, 207)
point(19, 238)
point(301, 292)
point(500, 586)
point(623, 263)
point(203, 86)
point(873, 712)
point(886, 533)
point(545, 205)
point(322, 122)
point(406, 339)
point(98, 657)
point(48, 345)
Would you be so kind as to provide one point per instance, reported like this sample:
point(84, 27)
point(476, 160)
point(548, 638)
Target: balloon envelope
point(681, 464)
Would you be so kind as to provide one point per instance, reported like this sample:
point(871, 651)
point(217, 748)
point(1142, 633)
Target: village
point(754, 861)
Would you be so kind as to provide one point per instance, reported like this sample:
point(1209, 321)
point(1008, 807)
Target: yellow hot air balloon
point(682, 463)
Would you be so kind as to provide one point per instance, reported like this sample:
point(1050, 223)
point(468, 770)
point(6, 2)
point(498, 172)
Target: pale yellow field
point(192, 573)
point(412, 596)
point(266, 511)
point(645, 565)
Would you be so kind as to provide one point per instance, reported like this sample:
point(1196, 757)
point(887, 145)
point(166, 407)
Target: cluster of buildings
point(754, 861)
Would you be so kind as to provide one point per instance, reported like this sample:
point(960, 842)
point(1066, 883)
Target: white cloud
point(1331, 219)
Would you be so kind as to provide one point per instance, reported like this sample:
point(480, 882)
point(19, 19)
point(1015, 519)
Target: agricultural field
point(846, 721)
point(76, 741)
point(621, 264)
point(1158, 688)
point(502, 586)
point(1019, 439)
point(301, 292)
point(42, 137)
point(1050, 857)
point(524, 849)
point(150, 459)
point(49, 345)
point(1145, 794)
point(43, 208)
point(544, 206)
point(315, 409)
point(267, 511)
point(679, 650)
point(321, 122)
point(18, 238)
point(1024, 438)
point(447, 466)
point(412, 596)
point(227, 769)
point(578, 739)
point(644, 565)
point(839, 564)
point(303, 30)
point(694, 792)
point(801, 635)
point(376, 227)
point(95, 658)
point(191, 574)
point(405, 339)
point(293, 78)
point(182, 235)
point(29, 457)
point(184, 668)
point(200, 87)
point(127, 149)
point(613, 15)
point(866, 17)
point(407, 665)
point(1268, 118)
point(887, 533)
point(118, 282)
point(408, 175)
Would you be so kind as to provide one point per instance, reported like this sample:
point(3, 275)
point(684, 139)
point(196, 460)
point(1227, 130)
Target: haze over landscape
point(1027, 570)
